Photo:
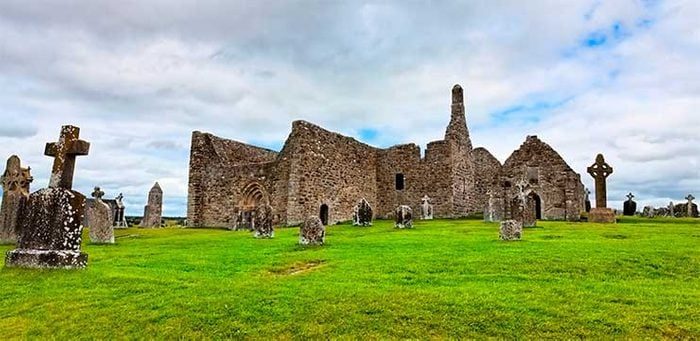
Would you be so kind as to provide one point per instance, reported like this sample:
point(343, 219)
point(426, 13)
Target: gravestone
point(511, 230)
point(51, 229)
point(588, 200)
point(522, 207)
point(494, 207)
point(691, 208)
point(648, 212)
point(671, 210)
point(263, 226)
point(629, 207)
point(154, 208)
point(426, 208)
point(15, 193)
point(362, 214)
point(312, 232)
point(99, 220)
point(600, 171)
point(403, 217)
point(119, 218)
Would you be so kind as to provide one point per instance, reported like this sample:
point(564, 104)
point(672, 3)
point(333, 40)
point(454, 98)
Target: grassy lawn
point(446, 278)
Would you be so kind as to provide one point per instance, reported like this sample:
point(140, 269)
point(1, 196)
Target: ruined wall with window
point(323, 173)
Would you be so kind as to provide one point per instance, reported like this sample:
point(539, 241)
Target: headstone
point(691, 209)
point(153, 210)
point(312, 232)
point(119, 218)
point(426, 208)
point(99, 220)
point(522, 206)
point(263, 226)
point(648, 212)
point(671, 210)
point(404, 217)
point(362, 215)
point(15, 192)
point(600, 171)
point(588, 200)
point(629, 207)
point(511, 230)
point(51, 229)
point(494, 207)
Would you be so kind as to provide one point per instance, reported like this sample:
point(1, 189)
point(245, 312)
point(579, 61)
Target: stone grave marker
point(426, 208)
point(51, 229)
point(99, 220)
point(600, 171)
point(312, 232)
point(15, 193)
point(403, 217)
point(362, 215)
point(629, 207)
point(263, 225)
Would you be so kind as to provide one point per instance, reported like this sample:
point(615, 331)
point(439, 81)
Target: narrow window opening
point(399, 182)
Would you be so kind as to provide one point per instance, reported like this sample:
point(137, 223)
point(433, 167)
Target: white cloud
point(139, 78)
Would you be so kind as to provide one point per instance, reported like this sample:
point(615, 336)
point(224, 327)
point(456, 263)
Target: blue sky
point(615, 77)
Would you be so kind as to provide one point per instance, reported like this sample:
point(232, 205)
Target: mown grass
point(444, 279)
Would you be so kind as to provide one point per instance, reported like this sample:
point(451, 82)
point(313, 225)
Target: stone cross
point(64, 152)
point(98, 193)
point(690, 199)
point(630, 196)
point(600, 171)
point(523, 189)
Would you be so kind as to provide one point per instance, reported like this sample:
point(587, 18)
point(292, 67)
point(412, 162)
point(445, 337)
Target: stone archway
point(252, 196)
point(323, 214)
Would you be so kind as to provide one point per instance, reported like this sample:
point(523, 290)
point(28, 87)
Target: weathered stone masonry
point(322, 173)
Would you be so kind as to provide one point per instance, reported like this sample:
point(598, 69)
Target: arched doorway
point(538, 205)
point(252, 196)
point(324, 214)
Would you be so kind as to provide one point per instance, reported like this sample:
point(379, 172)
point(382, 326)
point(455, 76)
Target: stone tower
point(154, 208)
point(457, 135)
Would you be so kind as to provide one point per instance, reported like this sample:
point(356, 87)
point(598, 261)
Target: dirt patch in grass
point(297, 268)
point(615, 236)
point(552, 237)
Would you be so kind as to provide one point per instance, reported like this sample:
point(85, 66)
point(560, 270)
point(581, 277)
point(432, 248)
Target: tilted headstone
point(312, 232)
point(263, 226)
point(15, 193)
point(362, 214)
point(600, 171)
point(119, 218)
point(511, 230)
point(494, 207)
point(403, 217)
point(426, 208)
point(99, 220)
point(648, 212)
point(629, 207)
point(152, 212)
point(51, 229)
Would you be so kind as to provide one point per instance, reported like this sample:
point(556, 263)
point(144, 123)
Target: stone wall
point(318, 168)
point(328, 169)
point(487, 173)
point(557, 185)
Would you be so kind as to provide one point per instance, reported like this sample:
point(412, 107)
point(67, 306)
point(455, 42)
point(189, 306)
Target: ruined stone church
point(323, 173)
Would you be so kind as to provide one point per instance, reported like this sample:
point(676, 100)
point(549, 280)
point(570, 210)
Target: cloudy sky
point(615, 77)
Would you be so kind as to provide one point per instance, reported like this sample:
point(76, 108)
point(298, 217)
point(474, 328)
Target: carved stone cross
point(98, 193)
point(64, 152)
point(630, 196)
point(690, 199)
point(600, 171)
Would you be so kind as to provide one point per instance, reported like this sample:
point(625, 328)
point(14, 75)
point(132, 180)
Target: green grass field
point(446, 278)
